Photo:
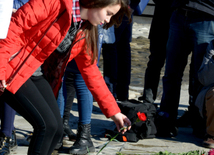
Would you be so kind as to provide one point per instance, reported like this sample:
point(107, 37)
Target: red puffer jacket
point(27, 26)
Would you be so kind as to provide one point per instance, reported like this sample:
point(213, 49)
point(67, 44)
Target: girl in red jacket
point(73, 35)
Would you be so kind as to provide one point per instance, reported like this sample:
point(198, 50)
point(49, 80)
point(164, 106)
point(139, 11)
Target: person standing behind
point(73, 81)
point(191, 30)
point(158, 37)
point(32, 92)
point(117, 61)
point(205, 99)
point(73, 84)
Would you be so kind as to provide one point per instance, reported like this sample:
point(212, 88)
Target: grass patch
point(197, 152)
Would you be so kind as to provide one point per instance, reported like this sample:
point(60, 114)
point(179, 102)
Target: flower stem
point(113, 138)
point(108, 143)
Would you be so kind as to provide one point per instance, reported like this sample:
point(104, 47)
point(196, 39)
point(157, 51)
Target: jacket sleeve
point(25, 18)
point(206, 71)
point(94, 80)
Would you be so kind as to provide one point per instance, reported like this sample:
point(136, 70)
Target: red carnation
point(211, 152)
point(141, 116)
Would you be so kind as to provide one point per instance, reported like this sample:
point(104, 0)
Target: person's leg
point(60, 101)
point(209, 114)
point(36, 102)
point(158, 41)
point(61, 104)
point(7, 120)
point(7, 129)
point(201, 35)
point(123, 59)
point(85, 100)
point(209, 100)
point(47, 93)
point(111, 66)
point(198, 34)
point(68, 94)
point(178, 49)
point(100, 42)
point(109, 52)
point(85, 103)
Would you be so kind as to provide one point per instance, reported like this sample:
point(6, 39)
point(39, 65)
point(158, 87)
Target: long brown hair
point(90, 31)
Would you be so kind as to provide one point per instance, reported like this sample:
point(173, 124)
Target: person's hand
point(14, 10)
point(2, 85)
point(121, 121)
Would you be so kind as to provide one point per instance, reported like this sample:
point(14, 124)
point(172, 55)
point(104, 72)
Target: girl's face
point(100, 16)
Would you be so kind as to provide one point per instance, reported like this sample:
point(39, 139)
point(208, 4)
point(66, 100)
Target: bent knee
point(210, 94)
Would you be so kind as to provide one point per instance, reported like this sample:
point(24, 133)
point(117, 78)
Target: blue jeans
point(117, 61)
point(70, 85)
point(61, 101)
point(7, 115)
point(100, 41)
point(73, 82)
point(85, 100)
point(186, 35)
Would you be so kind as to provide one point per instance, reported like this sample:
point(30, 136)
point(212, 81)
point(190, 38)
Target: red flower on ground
point(141, 116)
point(211, 152)
point(124, 138)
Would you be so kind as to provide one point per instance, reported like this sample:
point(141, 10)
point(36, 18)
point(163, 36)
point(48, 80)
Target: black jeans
point(117, 61)
point(158, 39)
point(70, 92)
point(36, 102)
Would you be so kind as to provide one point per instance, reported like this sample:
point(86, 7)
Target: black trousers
point(158, 36)
point(36, 102)
point(70, 93)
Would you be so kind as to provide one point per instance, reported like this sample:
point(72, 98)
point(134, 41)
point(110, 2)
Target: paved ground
point(184, 142)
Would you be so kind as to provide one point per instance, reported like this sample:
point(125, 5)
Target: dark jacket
point(206, 6)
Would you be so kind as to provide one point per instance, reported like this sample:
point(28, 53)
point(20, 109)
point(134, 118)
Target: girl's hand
point(14, 10)
point(2, 85)
point(121, 121)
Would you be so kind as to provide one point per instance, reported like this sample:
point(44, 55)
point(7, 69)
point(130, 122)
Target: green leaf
point(107, 135)
point(115, 140)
